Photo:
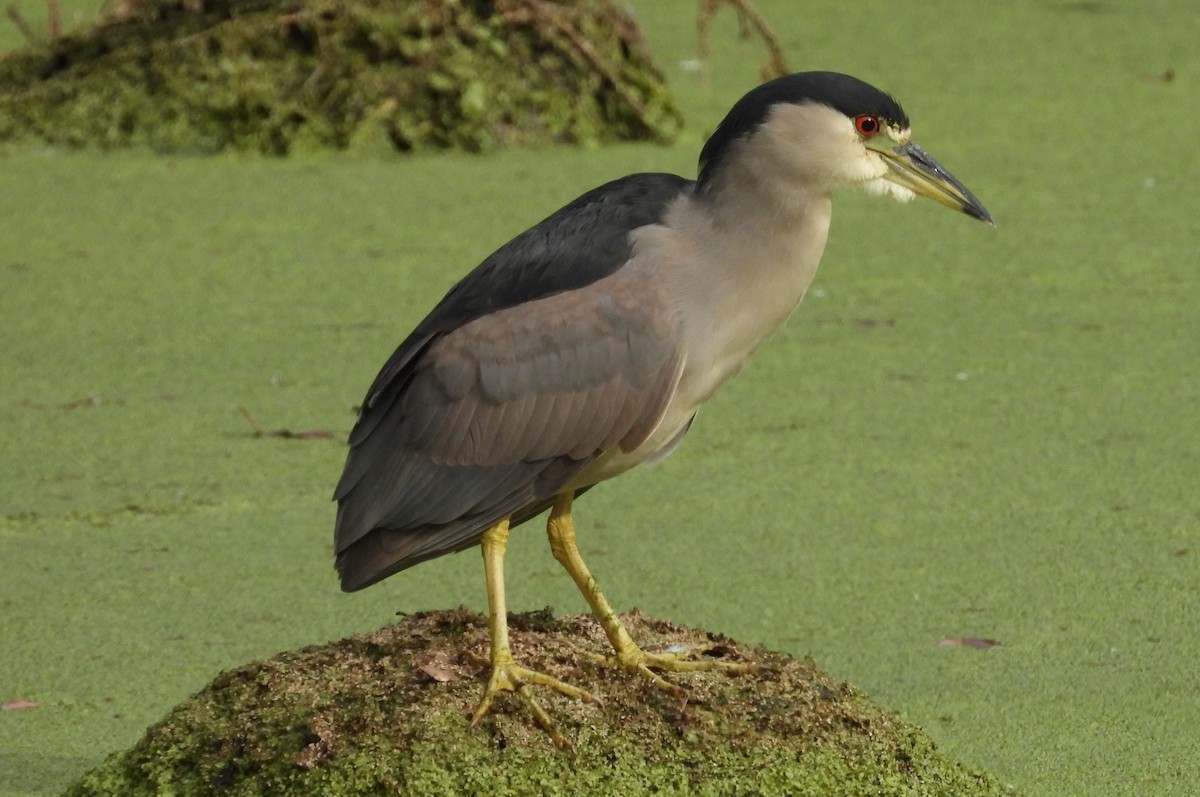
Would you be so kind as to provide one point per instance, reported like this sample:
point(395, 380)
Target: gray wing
point(497, 416)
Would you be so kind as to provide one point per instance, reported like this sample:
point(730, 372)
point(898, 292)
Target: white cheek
point(883, 187)
point(860, 165)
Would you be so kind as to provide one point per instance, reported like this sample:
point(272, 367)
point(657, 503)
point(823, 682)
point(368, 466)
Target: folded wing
point(492, 417)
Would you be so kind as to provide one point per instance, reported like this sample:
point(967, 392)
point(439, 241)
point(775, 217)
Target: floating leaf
point(979, 643)
point(17, 705)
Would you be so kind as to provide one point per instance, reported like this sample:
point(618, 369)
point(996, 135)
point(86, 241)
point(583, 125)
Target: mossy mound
point(386, 713)
point(275, 76)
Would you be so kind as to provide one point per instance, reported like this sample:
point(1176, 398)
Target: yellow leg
point(628, 656)
point(506, 675)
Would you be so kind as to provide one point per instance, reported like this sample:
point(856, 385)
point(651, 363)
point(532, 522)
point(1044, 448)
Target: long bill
point(913, 168)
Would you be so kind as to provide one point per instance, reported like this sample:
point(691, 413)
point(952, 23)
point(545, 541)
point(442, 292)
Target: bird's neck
point(757, 245)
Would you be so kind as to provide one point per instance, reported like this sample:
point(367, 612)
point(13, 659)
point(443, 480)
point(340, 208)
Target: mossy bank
point(276, 76)
point(386, 713)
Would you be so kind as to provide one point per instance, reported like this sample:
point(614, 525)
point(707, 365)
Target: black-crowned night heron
point(585, 345)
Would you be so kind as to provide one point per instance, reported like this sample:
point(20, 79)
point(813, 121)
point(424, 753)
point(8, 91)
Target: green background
point(962, 432)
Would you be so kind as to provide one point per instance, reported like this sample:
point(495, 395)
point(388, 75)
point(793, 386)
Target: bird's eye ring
point(866, 125)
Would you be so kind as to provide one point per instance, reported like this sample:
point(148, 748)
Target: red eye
point(866, 125)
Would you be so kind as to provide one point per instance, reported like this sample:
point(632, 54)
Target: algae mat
point(277, 76)
point(385, 713)
point(962, 433)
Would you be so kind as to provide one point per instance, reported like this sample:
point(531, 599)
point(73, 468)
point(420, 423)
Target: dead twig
point(55, 19)
point(749, 18)
point(286, 434)
point(254, 427)
point(53, 23)
point(15, 16)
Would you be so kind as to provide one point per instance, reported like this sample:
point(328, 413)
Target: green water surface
point(963, 432)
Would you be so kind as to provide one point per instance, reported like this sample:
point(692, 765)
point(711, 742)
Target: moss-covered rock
point(277, 75)
point(386, 713)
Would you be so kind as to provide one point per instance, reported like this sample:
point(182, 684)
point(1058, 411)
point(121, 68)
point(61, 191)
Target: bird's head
point(823, 130)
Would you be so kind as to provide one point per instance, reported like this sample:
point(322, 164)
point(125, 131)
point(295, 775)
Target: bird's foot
point(632, 658)
point(508, 676)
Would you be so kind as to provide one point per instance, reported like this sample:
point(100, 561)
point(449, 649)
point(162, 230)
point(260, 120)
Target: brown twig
point(53, 23)
point(254, 427)
point(776, 64)
point(286, 434)
point(15, 16)
point(55, 19)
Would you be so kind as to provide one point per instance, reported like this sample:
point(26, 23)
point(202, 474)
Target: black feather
point(843, 93)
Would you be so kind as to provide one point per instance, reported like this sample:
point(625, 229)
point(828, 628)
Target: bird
point(585, 346)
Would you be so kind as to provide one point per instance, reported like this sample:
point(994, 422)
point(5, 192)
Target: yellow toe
point(508, 676)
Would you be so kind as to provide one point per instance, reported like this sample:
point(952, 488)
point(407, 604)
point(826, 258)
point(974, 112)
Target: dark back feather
point(450, 439)
point(576, 245)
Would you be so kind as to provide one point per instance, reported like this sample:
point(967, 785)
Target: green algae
point(386, 713)
point(277, 76)
point(848, 497)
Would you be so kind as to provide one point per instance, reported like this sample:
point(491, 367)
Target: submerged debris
point(275, 76)
point(285, 434)
point(386, 713)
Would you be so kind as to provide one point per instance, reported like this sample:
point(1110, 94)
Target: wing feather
point(488, 411)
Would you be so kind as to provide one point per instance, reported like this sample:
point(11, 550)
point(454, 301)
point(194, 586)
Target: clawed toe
point(510, 677)
point(633, 659)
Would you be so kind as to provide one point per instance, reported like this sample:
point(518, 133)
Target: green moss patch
point(275, 76)
point(386, 713)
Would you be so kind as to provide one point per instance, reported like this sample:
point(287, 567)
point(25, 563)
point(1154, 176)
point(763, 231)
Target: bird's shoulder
point(582, 242)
